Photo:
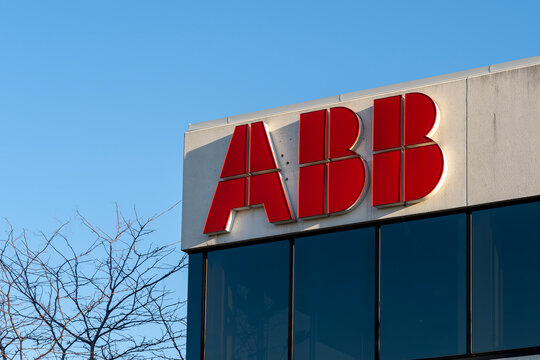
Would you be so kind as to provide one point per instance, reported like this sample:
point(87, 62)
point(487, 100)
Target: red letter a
point(250, 177)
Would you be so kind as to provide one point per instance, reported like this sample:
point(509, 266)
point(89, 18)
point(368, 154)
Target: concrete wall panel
point(504, 135)
point(205, 151)
point(489, 130)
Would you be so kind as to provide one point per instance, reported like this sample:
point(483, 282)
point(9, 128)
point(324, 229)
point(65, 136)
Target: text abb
point(407, 165)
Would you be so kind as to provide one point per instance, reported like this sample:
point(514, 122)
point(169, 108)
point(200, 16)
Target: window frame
point(535, 350)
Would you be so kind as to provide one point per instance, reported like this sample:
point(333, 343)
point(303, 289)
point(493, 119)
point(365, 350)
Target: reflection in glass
point(334, 280)
point(423, 288)
point(248, 303)
point(194, 313)
point(506, 277)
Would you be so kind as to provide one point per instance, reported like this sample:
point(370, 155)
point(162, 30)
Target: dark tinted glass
point(248, 303)
point(506, 277)
point(423, 288)
point(334, 280)
point(194, 313)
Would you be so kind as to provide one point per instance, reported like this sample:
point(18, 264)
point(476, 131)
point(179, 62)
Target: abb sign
point(407, 165)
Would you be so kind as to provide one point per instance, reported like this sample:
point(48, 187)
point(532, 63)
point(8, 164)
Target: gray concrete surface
point(489, 130)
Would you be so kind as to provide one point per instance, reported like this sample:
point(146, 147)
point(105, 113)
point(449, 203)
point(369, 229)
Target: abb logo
point(407, 164)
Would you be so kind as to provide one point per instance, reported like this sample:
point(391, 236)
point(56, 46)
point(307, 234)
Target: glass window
point(506, 277)
point(423, 288)
point(334, 291)
point(194, 313)
point(248, 303)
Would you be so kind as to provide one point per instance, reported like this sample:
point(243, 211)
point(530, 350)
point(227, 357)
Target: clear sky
point(95, 95)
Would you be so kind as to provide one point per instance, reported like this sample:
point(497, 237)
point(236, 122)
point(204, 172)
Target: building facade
point(393, 223)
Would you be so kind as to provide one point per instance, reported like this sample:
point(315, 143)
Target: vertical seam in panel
point(402, 151)
point(326, 181)
point(291, 298)
point(469, 281)
point(326, 161)
point(247, 148)
point(377, 291)
point(203, 306)
point(467, 142)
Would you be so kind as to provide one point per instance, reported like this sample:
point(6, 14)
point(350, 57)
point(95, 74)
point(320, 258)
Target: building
point(394, 223)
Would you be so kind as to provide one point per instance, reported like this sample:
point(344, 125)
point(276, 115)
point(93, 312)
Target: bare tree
point(109, 300)
point(22, 332)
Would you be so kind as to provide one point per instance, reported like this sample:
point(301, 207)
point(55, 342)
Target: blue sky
point(95, 95)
